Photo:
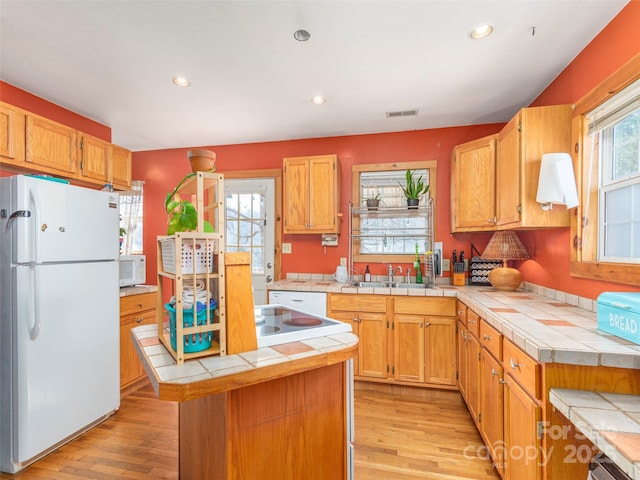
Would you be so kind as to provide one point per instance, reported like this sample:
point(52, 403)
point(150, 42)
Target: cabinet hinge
point(520, 208)
point(519, 126)
point(479, 418)
point(540, 429)
point(479, 356)
point(82, 143)
point(457, 376)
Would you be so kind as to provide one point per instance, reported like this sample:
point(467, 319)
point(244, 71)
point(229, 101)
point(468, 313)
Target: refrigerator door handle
point(35, 304)
point(14, 215)
point(36, 224)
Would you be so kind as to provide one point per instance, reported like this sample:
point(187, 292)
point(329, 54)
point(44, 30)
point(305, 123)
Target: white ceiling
point(113, 61)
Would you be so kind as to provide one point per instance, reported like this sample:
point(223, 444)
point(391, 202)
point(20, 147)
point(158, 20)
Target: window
point(392, 231)
point(131, 219)
point(606, 240)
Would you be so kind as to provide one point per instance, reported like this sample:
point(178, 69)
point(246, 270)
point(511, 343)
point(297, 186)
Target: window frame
point(356, 170)
point(584, 249)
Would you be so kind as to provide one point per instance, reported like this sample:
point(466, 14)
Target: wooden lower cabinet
point(522, 445)
point(135, 310)
point(491, 413)
point(404, 340)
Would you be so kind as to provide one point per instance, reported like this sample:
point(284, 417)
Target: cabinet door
point(95, 155)
point(522, 446)
point(409, 348)
point(473, 185)
point(51, 145)
point(296, 195)
point(323, 193)
point(473, 371)
point(508, 202)
point(373, 347)
point(491, 406)
point(131, 368)
point(120, 167)
point(352, 319)
point(11, 135)
point(463, 361)
point(440, 355)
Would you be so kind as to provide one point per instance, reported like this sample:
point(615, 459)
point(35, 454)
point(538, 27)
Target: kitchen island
point(276, 412)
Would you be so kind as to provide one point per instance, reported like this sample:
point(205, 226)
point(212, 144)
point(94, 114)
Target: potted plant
point(183, 216)
point(414, 189)
point(373, 202)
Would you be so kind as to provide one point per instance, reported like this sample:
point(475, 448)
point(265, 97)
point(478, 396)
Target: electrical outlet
point(286, 248)
point(343, 261)
point(446, 264)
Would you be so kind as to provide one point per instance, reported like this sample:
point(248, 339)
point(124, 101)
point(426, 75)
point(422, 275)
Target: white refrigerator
point(59, 315)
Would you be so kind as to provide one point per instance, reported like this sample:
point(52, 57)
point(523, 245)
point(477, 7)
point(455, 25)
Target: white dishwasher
point(314, 303)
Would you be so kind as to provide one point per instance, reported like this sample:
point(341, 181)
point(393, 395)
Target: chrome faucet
point(408, 274)
point(393, 271)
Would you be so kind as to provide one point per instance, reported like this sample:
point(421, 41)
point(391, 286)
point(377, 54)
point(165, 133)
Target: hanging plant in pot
point(183, 216)
point(414, 189)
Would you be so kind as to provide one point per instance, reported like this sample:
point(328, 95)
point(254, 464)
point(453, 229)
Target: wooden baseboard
point(408, 391)
point(133, 386)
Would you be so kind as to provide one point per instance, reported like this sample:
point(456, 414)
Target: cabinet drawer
point(522, 368)
point(442, 306)
point(358, 303)
point(461, 312)
point(137, 303)
point(491, 339)
point(473, 323)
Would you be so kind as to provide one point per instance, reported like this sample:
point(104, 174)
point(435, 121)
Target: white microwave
point(133, 270)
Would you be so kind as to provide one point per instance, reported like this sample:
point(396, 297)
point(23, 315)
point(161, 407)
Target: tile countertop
point(137, 290)
point(214, 374)
point(548, 329)
point(610, 421)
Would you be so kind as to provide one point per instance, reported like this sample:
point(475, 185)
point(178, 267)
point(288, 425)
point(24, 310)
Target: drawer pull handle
point(494, 373)
point(139, 320)
point(428, 324)
point(487, 337)
point(471, 321)
point(503, 382)
point(140, 305)
point(514, 365)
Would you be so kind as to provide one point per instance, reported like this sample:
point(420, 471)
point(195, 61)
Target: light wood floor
point(397, 437)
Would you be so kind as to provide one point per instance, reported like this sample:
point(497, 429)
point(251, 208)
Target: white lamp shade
point(557, 182)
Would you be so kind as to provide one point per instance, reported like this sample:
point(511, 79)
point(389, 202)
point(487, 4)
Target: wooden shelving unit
point(195, 261)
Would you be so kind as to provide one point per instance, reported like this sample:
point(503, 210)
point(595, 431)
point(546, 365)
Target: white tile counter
point(550, 330)
point(610, 421)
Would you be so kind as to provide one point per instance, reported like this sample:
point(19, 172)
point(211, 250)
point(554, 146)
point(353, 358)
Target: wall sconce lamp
point(505, 245)
point(557, 182)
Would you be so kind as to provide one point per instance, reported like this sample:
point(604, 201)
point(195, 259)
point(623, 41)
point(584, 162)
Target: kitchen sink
point(387, 285)
point(370, 284)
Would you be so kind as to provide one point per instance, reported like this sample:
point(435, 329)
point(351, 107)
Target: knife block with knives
point(458, 276)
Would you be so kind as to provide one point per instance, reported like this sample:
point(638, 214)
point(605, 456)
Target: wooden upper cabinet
point(51, 146)
point(311, 194)
point(533, 132)
point(11, 134)
point(95, 155)
point(120, 173)
point(494, 179)
point(473, 176)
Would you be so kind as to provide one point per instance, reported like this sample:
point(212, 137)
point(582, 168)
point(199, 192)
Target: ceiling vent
point(402, 113)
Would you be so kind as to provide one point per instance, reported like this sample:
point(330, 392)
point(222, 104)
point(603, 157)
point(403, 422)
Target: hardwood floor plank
point(398, 437)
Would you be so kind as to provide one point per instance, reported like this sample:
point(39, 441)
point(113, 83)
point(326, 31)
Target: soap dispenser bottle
point(367, 274)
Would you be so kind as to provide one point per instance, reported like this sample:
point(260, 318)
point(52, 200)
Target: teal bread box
point(619, 315)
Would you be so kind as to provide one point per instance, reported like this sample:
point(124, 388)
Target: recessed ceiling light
point(301, 35)
point(318, 100)
point(181, 81)
point(481, 31)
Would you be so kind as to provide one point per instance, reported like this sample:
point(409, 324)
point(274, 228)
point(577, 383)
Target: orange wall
point(40, 106)
point(613, 47)
point(162, 169)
